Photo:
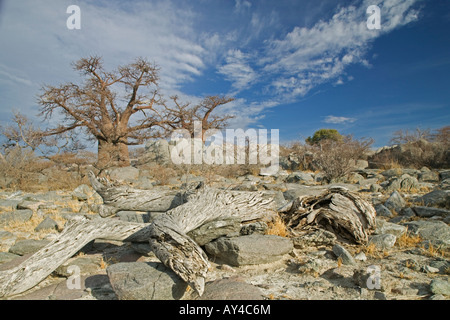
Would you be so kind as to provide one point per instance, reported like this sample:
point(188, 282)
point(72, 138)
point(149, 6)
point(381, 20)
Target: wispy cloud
point(238, 70)
point(338, 120)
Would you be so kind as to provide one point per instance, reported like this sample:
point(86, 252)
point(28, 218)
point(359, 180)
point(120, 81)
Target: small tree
point(336, 158)
point(324, 134)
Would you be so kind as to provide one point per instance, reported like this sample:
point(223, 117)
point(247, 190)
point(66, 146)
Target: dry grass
point(277, 228)
point(408, 240)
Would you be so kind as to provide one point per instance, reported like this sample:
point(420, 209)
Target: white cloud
point(238, 70)
point(242, 5)
point(321, 53)
point(338, 120)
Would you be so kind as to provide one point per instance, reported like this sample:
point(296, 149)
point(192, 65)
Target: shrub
point(336, 158)
point(324, 134)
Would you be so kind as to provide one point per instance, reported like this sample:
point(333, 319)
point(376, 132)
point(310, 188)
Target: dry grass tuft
point(277, 228)
point(408, 240)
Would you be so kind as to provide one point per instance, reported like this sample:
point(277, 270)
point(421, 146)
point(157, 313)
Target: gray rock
point(23, 247)
point(395, 202)
point(47, 224)
point(428, 212)
point(133, 216)
point(300, 177)
point(438, 286)
point(230, 289)
point(342, 253)
point(86, 264)
point(145, 281)
point(384, 227)
point(82, 192)
point(405, 183)
point(31, 205)
point(430, 230)
point(444, 174)
point(382, 211)
point(7, 238)
point(17, 215)
point(7, 256)
point(318, 237)
point(127, 174)
point(407, 212)
point(157, 151)
point(436, 198)
point(215, 229)
point(375, 187)
point(9, 204)
point(259, 227)
point(429, 176)
point(383, 241)
point(249, 250)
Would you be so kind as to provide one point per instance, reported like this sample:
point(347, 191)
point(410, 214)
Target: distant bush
point(415, 149)
point(324, 134)
point(334, 156)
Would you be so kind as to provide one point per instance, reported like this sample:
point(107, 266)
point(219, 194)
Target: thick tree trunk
point(112, 154)
point(343, 212)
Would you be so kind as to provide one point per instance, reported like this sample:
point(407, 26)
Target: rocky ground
point(407, 256)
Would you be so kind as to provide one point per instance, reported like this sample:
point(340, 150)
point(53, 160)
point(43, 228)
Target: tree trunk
point(112, 154)
point(343, 212)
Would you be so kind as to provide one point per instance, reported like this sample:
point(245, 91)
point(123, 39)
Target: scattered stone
point(82, 192)
point(430, 230)
point(30, 205)
point(300, 177)
point(145, 281)
point(342, 253)
point(23, 247)
point(428, 176)
point(428, 212)
point(7, 238)
point(382, 211)
point(259, 227)
point(249, 250)
point(361, 256)
point(127, 174)
point(7, 256)
point(395, 202)
point(436, 198)
point(86, 265)
point(47, 224)
point(316, 238)
point(384, 227)
point(439, 286)
point(215, 229)
point(383, 241)
point(230, 289)
point(17, 215)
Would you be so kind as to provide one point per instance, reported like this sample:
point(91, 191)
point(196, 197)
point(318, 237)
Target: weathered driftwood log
point(343, 212)
point(120, 197)
point(167, 234)
point(75, 236)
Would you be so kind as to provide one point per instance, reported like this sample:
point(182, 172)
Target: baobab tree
point(117, 109)
point(186, 114)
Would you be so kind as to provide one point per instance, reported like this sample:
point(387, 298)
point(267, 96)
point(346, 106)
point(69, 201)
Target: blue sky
point(292, 65)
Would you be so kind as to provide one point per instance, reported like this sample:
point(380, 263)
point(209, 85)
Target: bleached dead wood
point(75, 236)
point(343, 212)
point(167, 234)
